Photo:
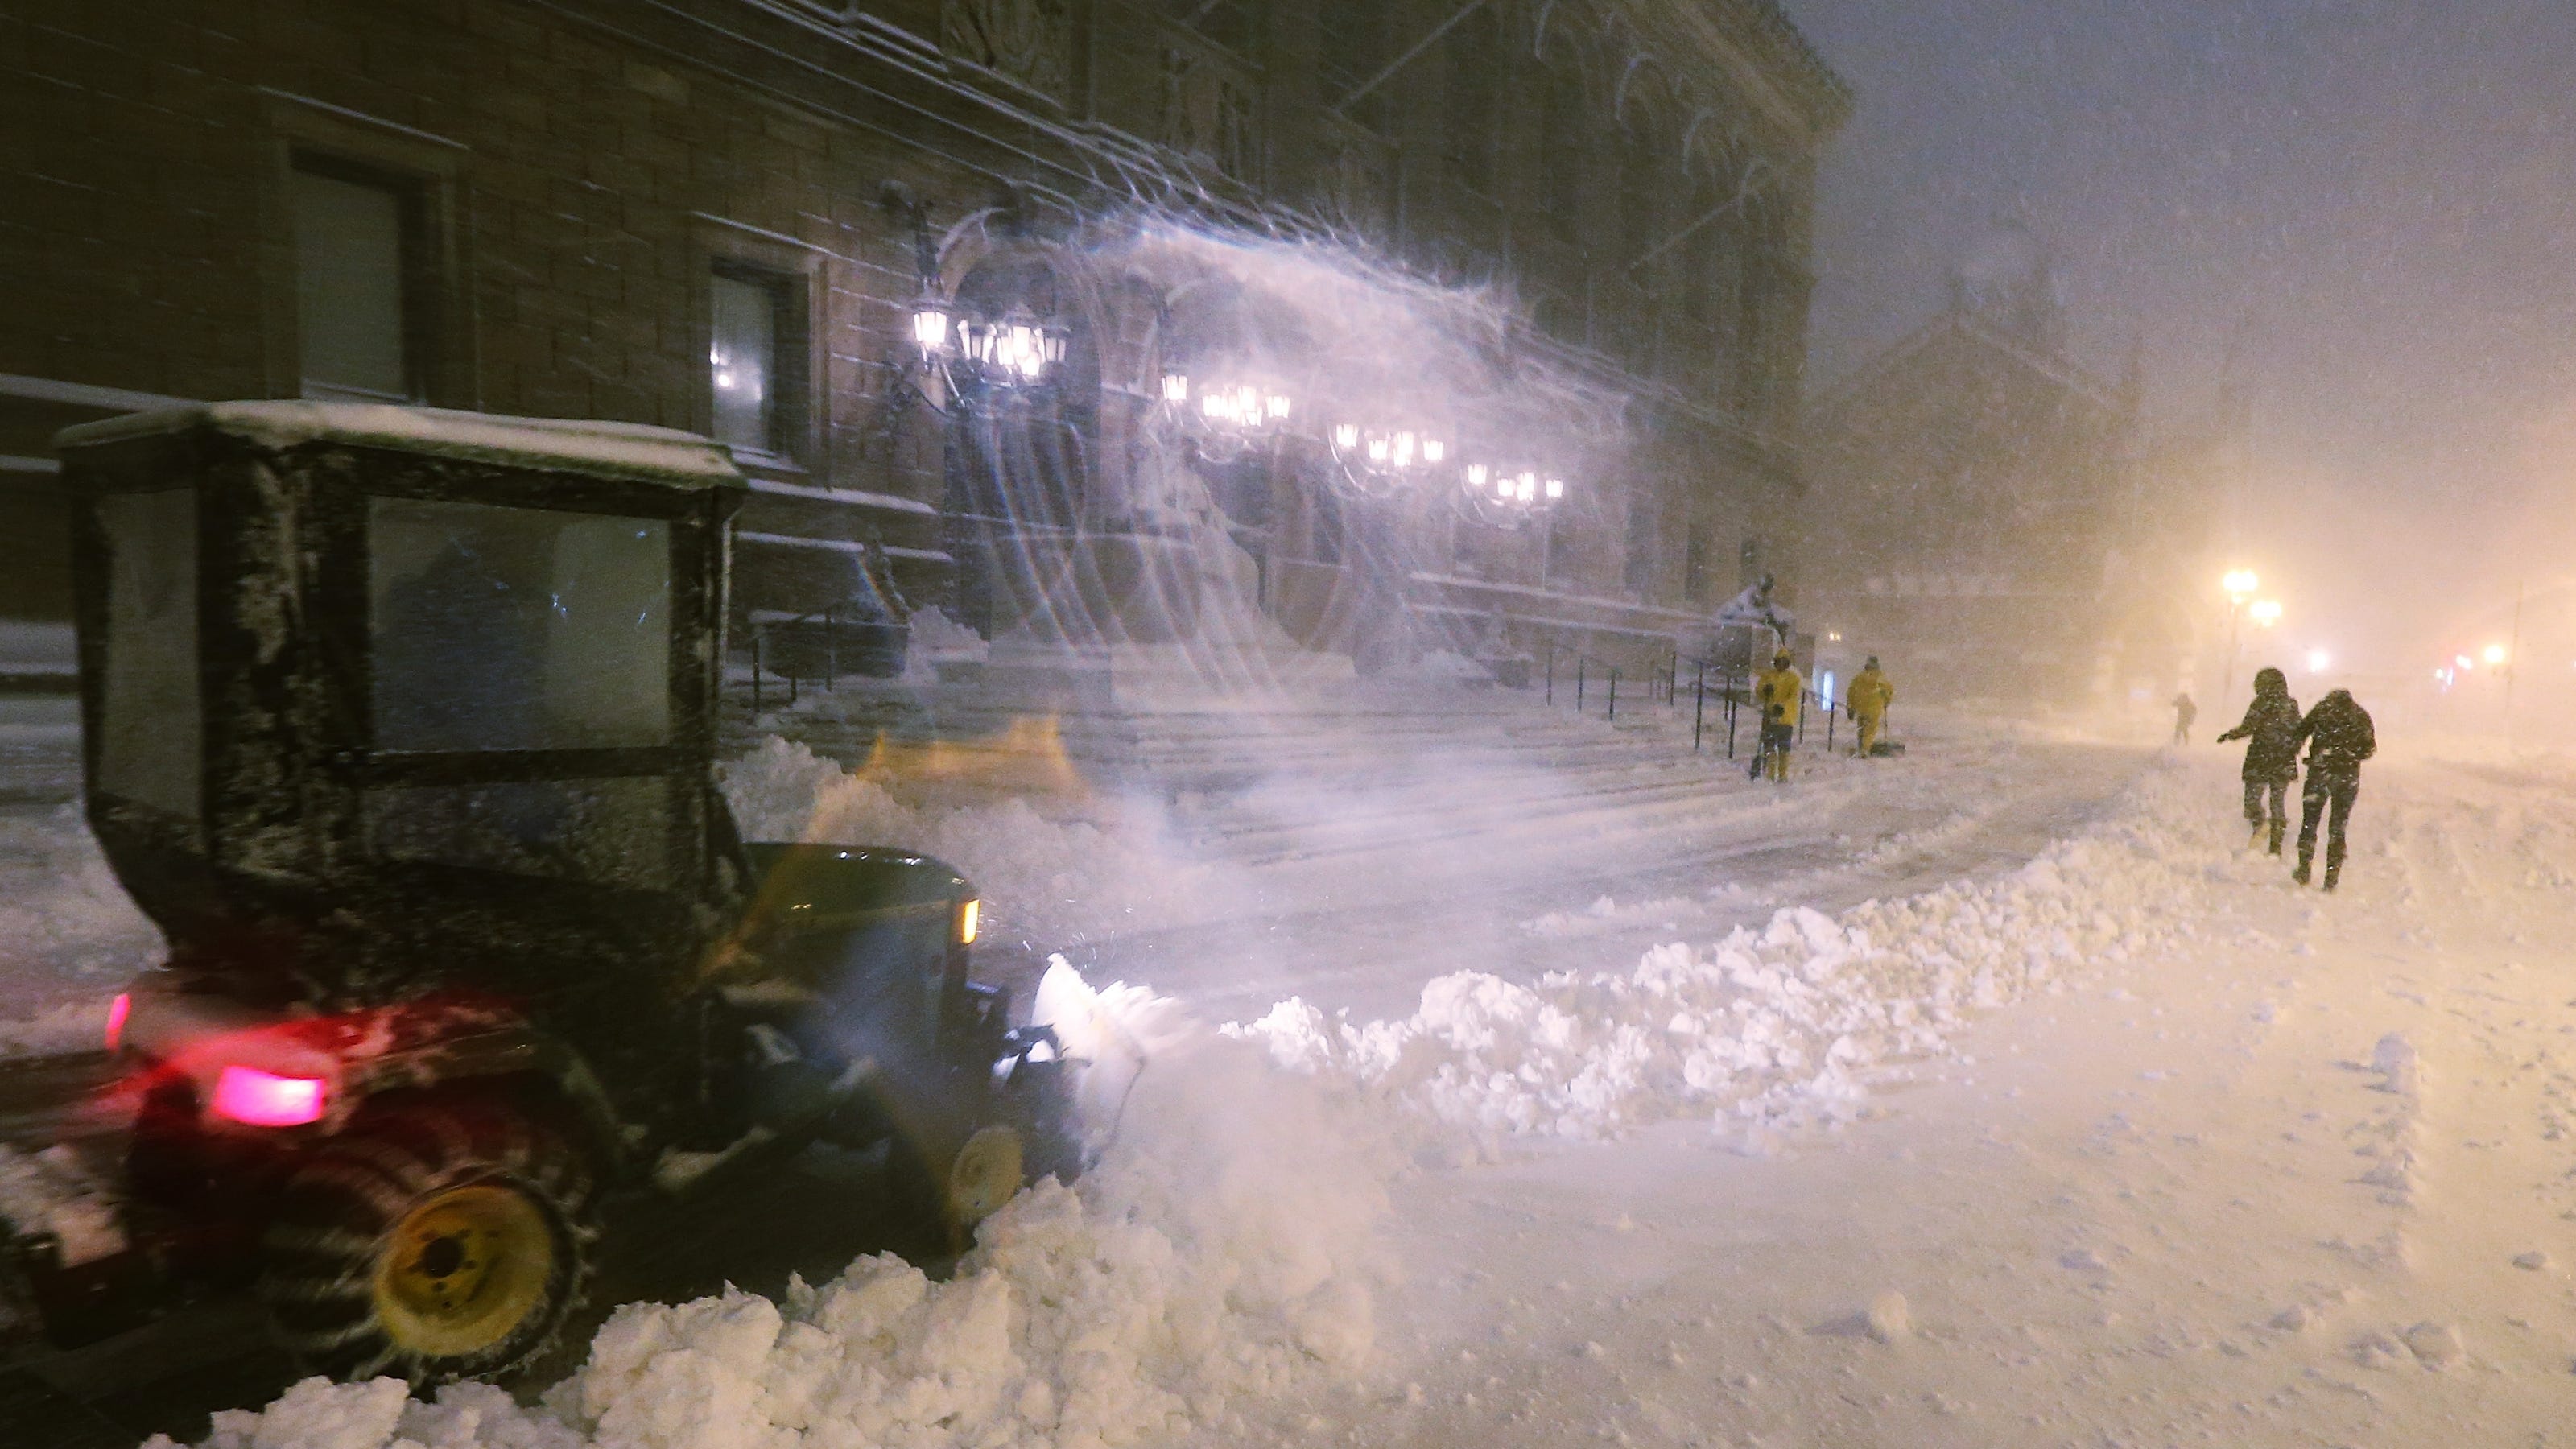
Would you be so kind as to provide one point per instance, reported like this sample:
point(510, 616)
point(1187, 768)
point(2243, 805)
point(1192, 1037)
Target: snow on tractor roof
point(603, 449)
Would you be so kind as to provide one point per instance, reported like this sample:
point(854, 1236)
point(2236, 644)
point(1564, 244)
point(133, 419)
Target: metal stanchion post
point(1614, 696)
point(1699, 705)
point(1579, 662)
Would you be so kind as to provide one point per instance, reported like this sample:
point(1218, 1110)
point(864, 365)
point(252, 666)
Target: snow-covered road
point(2302, 1176)
point(1979, 1139)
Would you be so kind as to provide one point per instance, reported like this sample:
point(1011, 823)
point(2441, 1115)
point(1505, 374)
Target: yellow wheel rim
point(463, 1270)
point(987, 1174)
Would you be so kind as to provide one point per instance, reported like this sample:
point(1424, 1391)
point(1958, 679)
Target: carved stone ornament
point(1030, 41)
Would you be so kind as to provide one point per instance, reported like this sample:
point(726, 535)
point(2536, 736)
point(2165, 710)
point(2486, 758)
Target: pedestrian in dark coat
point(2270, 729)
point(2339, 737)
point(2184, 713)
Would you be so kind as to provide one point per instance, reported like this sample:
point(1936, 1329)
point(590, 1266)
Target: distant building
point(1985, 516)
point(680, 214)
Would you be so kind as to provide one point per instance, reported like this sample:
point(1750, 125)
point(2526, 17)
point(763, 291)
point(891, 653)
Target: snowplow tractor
point(401, 725)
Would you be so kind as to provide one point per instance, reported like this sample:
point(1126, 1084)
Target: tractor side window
point(151, 724)
point(517, 628)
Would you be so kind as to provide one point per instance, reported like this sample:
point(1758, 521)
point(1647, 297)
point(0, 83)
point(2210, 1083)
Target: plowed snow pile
point(1782, 1024)
point(68, 935)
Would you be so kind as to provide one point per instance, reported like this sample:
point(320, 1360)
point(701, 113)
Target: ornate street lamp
point(1228, 420)
point(1508, 498)
point(1373, 464)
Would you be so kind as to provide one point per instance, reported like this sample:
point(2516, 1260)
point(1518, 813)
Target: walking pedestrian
point(2184, 713)
point(2270, 731)
point(2339, 737)
point(1777, 692)
point(1870, 696)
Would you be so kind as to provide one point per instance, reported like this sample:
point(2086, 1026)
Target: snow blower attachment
point(400, 724)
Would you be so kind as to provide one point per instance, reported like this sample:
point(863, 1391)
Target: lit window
point(743, 362)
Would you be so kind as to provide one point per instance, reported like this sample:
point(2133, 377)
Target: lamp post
point(2239, 584)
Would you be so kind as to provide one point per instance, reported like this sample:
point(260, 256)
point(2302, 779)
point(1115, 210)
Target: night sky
point(2371, 202)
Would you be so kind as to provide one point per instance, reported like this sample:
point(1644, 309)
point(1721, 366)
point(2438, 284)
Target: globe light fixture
point(2238, 583)
point(2265, 613)
point(2494, 654)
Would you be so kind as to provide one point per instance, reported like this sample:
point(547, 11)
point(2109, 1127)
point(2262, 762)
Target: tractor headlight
point(970, 917)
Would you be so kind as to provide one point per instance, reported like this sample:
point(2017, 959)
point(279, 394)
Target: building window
point(1638, 571)
point(1562, 153)
point(1351, 45)
point(355, 241)
point(1695, 579)
point(1476, 61)
point(751, 359)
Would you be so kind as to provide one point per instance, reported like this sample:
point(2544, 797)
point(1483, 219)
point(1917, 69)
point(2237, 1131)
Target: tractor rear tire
point(437, 1242)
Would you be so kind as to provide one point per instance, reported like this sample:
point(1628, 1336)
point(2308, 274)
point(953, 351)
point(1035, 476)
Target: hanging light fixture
point(930, 328)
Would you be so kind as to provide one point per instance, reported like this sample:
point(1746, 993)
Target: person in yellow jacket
point(1869, 698)
point(1777, 692)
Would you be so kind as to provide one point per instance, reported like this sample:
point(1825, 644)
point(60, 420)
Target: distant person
point(2270, 730)
point(2184, 713)
point(1869, 698)
point(1777, 691)
point(2339, 737)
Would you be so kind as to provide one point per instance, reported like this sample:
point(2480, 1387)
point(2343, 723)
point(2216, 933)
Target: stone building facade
point(720, 215)
point(1991, 517)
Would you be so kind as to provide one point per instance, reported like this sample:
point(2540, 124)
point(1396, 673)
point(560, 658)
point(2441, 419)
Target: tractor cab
point(388, 705)
point(376, 699)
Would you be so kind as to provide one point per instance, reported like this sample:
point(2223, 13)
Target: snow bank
point(1224, 1249)
point(69, 935)
point(1039, 877)
point(1786, 1021)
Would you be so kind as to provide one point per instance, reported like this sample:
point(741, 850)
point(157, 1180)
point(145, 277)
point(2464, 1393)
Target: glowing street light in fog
point(2463, 663)
point(2265, 612)
point(2318, 659)
point(2494, 654)
point(2238, 583)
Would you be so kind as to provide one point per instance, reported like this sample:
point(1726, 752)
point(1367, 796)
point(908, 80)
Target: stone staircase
point(1322, 770)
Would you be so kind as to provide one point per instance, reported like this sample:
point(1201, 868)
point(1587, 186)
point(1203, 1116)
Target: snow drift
point(1785, 1022)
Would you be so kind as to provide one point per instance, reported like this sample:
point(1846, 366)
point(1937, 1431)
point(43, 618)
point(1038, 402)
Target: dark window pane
point(518, 629)
point(151, 727)
point(349, 289)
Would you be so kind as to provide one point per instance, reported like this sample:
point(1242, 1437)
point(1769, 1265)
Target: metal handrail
point(829, 617)
point(1581, 663)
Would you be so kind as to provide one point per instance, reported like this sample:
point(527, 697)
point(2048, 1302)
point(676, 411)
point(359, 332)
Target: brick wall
point(585, 162)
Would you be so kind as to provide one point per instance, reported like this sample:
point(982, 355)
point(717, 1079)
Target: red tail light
point(264, 1099)
point(117, 1011)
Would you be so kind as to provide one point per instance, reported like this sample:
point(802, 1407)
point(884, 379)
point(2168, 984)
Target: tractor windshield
point(518, 628)
point(149, 727)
